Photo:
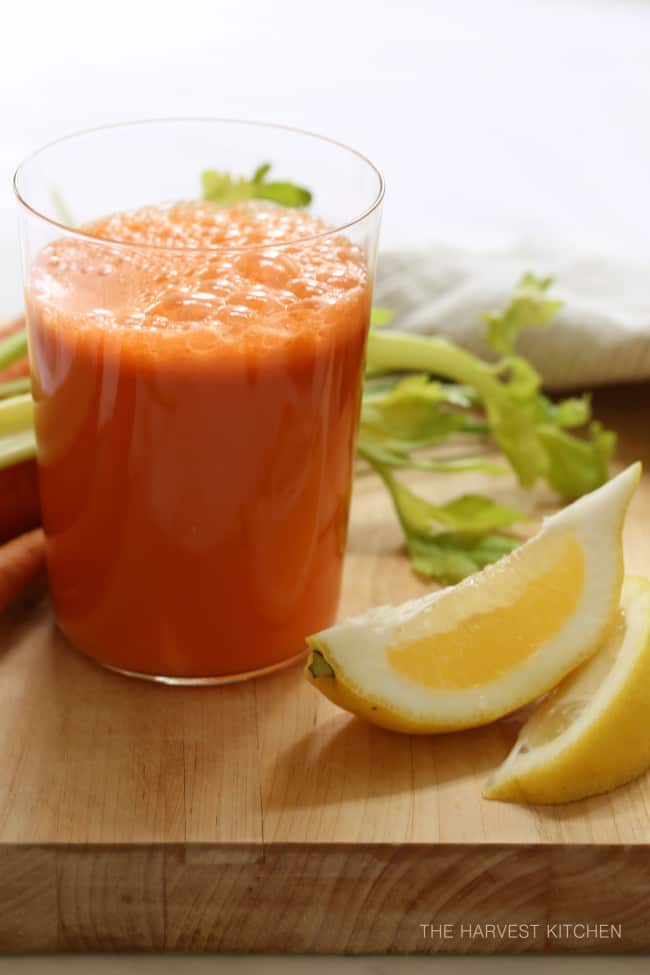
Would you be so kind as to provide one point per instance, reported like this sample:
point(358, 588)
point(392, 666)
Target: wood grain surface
point(258, 817)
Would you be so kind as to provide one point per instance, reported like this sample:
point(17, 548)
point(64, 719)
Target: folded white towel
point(601, 335)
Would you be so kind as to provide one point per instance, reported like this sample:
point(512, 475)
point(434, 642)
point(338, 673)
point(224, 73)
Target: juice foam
point(200, 275)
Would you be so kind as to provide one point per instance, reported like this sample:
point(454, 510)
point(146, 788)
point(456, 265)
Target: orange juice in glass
point(197, 375)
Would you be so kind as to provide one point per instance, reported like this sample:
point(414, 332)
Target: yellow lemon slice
point(467, 655)
point(591, 734)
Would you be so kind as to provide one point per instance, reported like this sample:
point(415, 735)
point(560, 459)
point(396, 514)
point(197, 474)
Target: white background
point(483, 115)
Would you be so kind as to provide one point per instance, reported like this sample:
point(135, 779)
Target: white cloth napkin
point(601, 335)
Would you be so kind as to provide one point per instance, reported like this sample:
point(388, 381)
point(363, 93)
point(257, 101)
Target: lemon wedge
point(466, 655)
point(591, 734)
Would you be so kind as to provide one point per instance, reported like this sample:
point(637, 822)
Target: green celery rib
point(17, 447)
point(401, 351)
point(12, 387)
point(12, 349)
point(423, 463)
point(16, 414)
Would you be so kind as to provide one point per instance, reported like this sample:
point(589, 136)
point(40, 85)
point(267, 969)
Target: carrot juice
point(196, 383)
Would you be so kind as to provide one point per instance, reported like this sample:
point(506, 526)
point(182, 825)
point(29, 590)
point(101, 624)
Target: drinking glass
point(196, 390)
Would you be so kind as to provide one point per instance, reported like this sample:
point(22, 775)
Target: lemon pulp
point(500, 636)
point(566, 703)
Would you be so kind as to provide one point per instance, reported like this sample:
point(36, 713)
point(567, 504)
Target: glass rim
point(215, 248)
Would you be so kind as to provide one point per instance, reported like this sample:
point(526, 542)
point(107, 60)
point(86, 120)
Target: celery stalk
point(12, 387)
point(16, 448)
point(13, 349)
point(403, 352)
point(16, 414)
point(527, 427)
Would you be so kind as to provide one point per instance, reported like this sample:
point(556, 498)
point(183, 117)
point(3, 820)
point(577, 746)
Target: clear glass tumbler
point(196, 369)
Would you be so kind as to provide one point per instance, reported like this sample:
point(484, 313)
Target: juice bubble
point(181, 308)
point(268, 267)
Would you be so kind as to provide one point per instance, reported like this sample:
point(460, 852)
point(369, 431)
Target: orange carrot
point(19, 501)
point(19, 504)
point(21, 560)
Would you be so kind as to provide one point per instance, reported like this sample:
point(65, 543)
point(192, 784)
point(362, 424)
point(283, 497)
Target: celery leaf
point(228, 190)
point(449, 557)
point(528, 306)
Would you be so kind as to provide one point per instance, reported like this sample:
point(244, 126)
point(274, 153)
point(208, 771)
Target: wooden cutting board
point(258, 817)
